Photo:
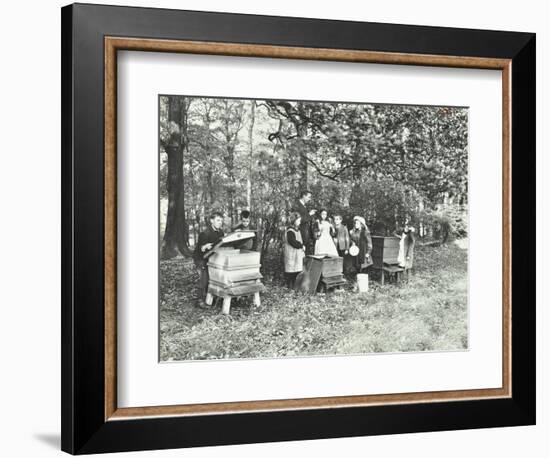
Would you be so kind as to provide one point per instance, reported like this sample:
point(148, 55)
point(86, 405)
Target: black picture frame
point(84, 428)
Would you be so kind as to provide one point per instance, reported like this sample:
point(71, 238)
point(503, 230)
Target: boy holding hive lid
point(207, 239)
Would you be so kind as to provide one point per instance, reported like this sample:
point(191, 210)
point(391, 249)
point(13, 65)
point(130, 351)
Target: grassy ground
point(429, 312)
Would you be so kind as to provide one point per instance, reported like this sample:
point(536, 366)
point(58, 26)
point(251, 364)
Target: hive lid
point(232, 237)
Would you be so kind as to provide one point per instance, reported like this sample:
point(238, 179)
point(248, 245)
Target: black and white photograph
point(292, 228)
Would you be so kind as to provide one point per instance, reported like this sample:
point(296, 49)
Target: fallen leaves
point(429, 312)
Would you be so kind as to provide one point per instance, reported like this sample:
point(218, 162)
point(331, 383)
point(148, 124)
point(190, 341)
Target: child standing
point(360, 236)
point(341, 236)
point(294, 250)
point(244, 225)
point(325, 243)
point(406, 247)
point(207, 239)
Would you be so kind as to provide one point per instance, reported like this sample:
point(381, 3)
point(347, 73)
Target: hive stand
point(391, 270)
point(229, 293)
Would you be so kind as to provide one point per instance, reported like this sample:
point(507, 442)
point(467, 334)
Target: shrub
point(386, 204)
point(447, 221)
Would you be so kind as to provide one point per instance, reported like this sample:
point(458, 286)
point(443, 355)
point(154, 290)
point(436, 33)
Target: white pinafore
point(293, 257)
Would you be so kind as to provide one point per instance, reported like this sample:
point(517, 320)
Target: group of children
point(320, 236)
point(307, 233)
point(330, 237)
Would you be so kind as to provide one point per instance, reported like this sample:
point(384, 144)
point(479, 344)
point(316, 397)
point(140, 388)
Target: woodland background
point(388, 163)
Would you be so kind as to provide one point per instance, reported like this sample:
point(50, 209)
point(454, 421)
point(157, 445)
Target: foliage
point(447, 221)
point(421, 146)
point(385, 204)
point(384, 162)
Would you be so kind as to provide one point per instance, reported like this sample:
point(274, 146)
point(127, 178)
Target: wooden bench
point(392, 271)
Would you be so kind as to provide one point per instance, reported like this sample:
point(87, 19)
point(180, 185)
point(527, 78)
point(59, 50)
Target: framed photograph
point(282, 228)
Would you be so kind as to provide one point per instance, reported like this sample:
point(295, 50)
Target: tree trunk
point(210, 188)
point(301, 130)
point(232, 122)
point(232, 182)
point(251, 153)
point(176, 233)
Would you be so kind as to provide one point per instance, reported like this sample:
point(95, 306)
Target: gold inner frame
point(114, 44)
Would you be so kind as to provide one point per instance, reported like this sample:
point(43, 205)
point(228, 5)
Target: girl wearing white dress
point(325, 242)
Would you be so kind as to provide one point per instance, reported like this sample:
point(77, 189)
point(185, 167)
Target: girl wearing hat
point(361, 244)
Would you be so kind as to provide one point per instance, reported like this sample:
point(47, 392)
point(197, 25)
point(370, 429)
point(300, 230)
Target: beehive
point(332, 271)
point(324, 269)
point(228, 266)
point(233, 271)
point(385, 250)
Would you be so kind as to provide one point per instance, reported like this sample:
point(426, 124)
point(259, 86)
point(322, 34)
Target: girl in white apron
point(294, 250)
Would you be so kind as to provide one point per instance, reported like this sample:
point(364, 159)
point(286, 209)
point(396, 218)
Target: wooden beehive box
point(332, 266)
point(332, 271)
point(236, 271)
point(321, 268)
point(229, 266)
point(384, 250)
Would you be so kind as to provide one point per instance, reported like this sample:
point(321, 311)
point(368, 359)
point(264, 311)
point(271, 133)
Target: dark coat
point(208, 236)
point(363, 240)
point(305, 224)
point(248, 244)
point(293, 252)
point(341, 238)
